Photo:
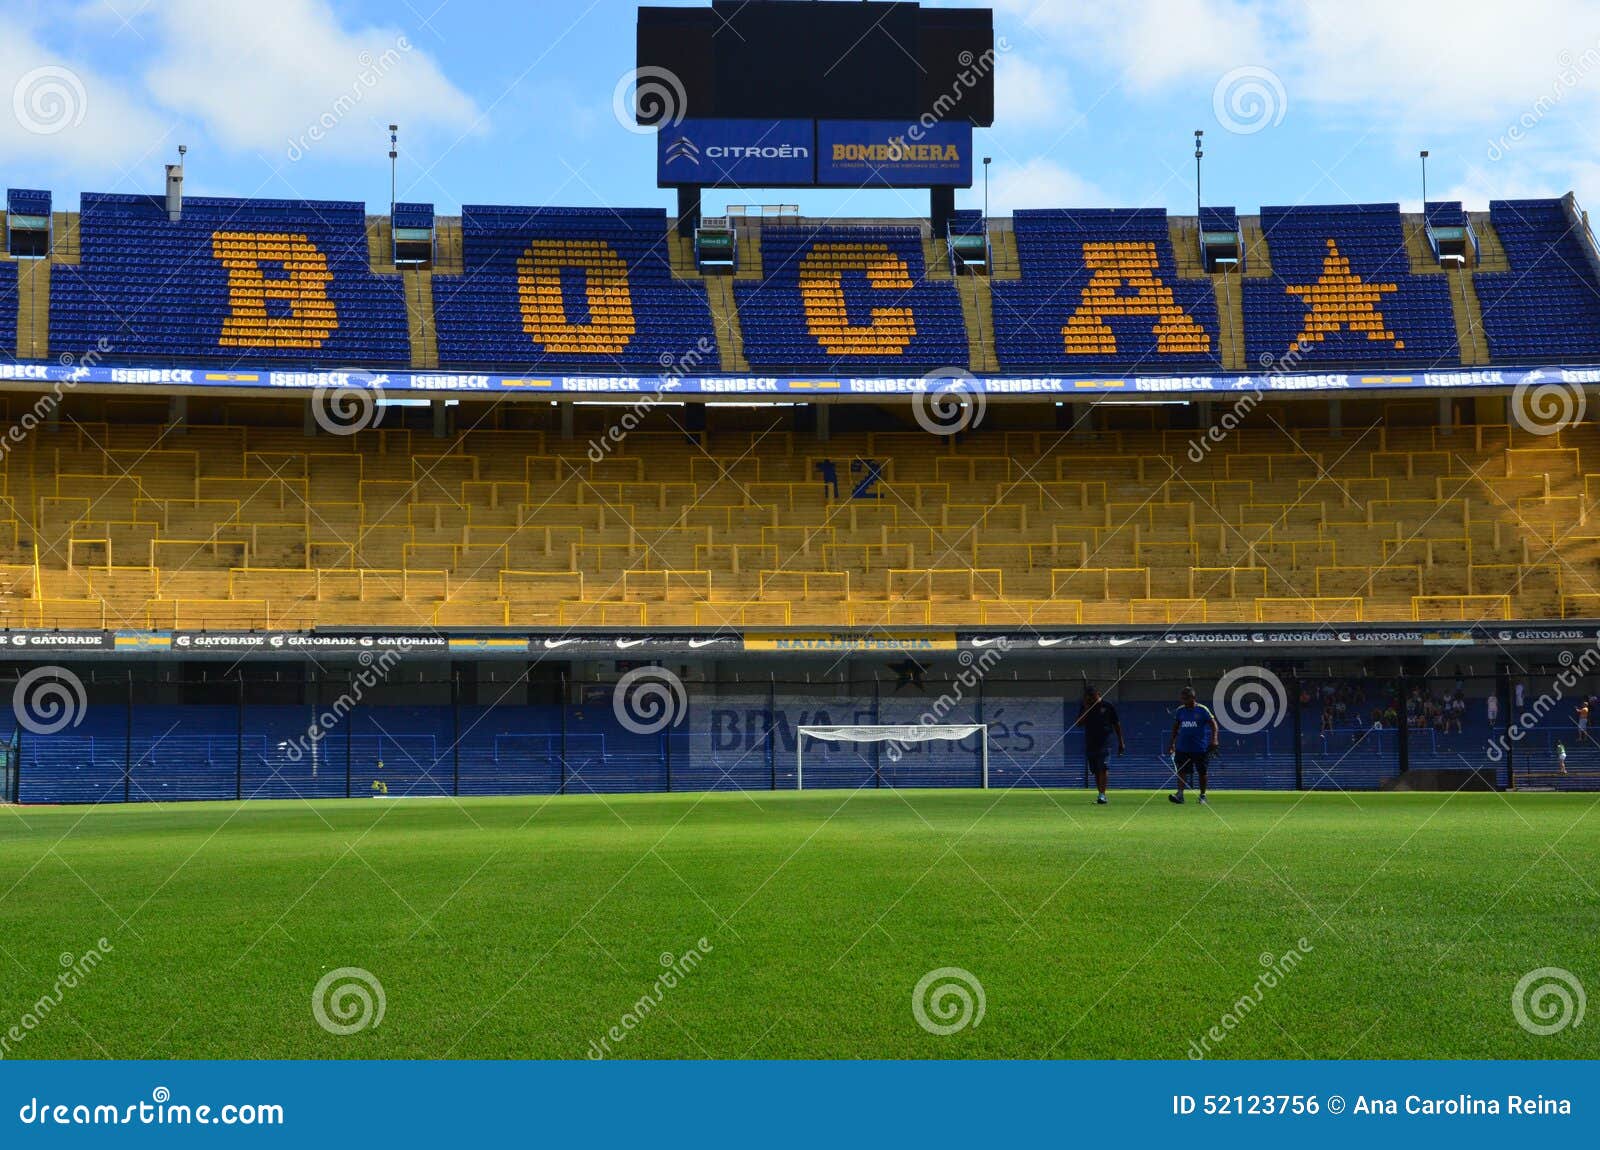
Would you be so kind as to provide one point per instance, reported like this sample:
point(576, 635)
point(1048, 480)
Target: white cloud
point(1027, 94)
point(59, 115)
point(1038, 183)
point(299, 79)
point(1149, 45)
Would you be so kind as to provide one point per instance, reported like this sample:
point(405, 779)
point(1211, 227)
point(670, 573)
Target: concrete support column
point(1335, 418)
point(566, 421)
point(441, 418)
point(1445, 413)
point(178, 414)
point(822, 410)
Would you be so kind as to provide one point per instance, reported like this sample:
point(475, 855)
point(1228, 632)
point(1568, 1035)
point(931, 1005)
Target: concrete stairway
point(419, 317)
point(380, 245)
point(1185, 239)
point(1004, 263)
point(1230, 320)
point(719, 296)
point(1257, 259)
point(447, 256)
point(1463, 299)
point(1491, 254)
point(64, 237)
point(33, 310)
point(725, 322)
point(977, 311)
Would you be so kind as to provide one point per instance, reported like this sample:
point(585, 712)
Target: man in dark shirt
point(1098, 721)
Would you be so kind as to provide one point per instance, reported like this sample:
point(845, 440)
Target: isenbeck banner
point(1086, 386)
point(737, 153)
point(894, 154)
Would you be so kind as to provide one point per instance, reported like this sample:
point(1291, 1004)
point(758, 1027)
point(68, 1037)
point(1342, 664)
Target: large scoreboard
point(798, 59)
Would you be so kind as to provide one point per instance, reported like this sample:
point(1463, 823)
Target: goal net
point(886, 746)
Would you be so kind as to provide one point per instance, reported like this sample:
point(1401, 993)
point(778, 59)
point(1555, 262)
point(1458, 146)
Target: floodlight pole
point(986, 161)
point(394, 152)
point(1199, 154)
point(1424, 156)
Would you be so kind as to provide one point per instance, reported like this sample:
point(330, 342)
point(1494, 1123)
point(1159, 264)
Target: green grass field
point(528, 927)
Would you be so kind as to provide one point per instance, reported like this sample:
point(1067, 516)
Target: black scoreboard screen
point(801, 59)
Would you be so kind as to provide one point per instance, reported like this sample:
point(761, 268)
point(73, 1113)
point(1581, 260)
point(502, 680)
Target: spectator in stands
point(1581, 719)
point(829, 470)
point(1561, 757)
point(1098, 720)
point(1493, 707)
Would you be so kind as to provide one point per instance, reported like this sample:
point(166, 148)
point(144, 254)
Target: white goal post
point(889, 733)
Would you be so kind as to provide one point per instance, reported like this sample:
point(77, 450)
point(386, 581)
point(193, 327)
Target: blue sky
point(502, 102)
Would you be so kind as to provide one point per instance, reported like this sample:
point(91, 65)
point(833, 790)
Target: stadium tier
point(1102, 287)
point(847, 298)
point(571, 289)
point(130, 525)
point(1546, 304)
point(270, 281)
point(1342, 291)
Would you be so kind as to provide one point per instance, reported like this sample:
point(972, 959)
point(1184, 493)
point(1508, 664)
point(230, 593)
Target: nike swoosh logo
point(624, 644)
point(984, 642)
point(697, 643)
point(1049, 642)
point(552, 644)
point(1125, 642)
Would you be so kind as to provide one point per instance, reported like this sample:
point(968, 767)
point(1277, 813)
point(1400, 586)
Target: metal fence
point(226, 739)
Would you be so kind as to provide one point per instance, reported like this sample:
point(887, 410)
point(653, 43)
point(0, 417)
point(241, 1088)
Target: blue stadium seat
point(8, 310)
point(1100, 289)
point(240, 281)
point(849, 297)
point(571, 289)
point(1548, 305)
point(1342, 287)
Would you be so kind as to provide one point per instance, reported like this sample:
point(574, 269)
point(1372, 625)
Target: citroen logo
point(683, 148)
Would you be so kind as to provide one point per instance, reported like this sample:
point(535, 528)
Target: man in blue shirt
point(1194, 736)
point(1098, 721)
